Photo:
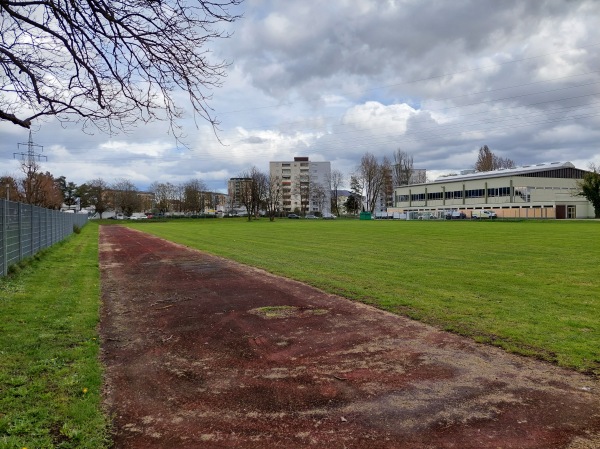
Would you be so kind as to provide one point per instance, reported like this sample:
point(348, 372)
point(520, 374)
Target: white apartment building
point(304, 185)
point(235, 187)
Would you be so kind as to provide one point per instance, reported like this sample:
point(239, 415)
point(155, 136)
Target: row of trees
point(372, 181)
point(123, 196)
point(34, 187)
point(45, 190)
point(259, 191)
point(372, 184)
point(190, 196)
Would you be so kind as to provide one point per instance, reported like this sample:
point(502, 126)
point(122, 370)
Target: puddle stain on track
point(201, 352)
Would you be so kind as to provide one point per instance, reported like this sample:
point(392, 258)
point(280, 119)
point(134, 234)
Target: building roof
point(524, 169)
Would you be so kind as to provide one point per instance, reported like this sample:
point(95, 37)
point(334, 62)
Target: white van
point(483, 214)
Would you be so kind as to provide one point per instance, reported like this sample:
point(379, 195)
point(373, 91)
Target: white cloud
point(150, 149)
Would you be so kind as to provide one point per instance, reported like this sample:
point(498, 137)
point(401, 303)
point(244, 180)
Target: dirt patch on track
point(201, 352)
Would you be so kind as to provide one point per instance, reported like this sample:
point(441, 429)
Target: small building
point(546, 190)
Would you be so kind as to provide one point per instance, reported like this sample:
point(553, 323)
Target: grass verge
point(531, 287)
point(50, 375)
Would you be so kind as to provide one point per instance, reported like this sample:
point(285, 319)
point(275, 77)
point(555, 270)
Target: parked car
point(328, 217)
point(293, 216)
point(456, 215)
point(138, 216)
point(477, 214)
point(311, 217)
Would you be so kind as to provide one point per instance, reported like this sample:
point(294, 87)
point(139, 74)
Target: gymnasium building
point(546, 190)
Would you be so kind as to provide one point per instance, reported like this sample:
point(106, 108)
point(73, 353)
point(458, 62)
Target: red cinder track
point(201, 352)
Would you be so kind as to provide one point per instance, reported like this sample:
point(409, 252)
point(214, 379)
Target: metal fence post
point(31, 212)
point(4, 239)
point(20, 225)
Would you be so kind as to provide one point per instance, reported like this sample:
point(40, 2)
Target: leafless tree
point(96, 192)
point(371, 174)
point(318, 196)
point(108, 63)
point(335, 181)
point(273, 196)
point(488, 161)
point(165, 195)
point(253, 191)
point(387, 188)
point(179, 197)
point(402, 168)
point(245, 195)
point(260, 188)
point(125, 196)
point(419, 176)
point(194, 196)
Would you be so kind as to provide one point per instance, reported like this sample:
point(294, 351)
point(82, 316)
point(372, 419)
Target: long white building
point(304, 185)
point(532, 191)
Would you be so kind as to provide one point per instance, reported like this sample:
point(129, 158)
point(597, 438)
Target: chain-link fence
point(26, 229)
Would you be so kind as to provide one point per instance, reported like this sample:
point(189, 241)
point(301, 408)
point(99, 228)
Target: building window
point(475, 193)
point(499, 191)
point(456, 194)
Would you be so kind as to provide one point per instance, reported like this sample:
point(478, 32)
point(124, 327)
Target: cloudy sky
point(334, 80)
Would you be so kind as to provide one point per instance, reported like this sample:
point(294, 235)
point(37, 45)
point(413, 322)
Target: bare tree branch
point(109, 64)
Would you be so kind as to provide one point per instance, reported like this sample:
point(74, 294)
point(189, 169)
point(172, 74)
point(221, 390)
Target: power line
point(356, 143)
point(446, 108)
point(418, 80)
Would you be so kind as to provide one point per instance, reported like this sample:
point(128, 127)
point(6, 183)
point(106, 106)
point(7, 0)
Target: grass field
point(50, 375)
point(531, 287)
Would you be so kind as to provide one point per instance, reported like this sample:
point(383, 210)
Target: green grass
point(50, 375)
point(531, 287)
